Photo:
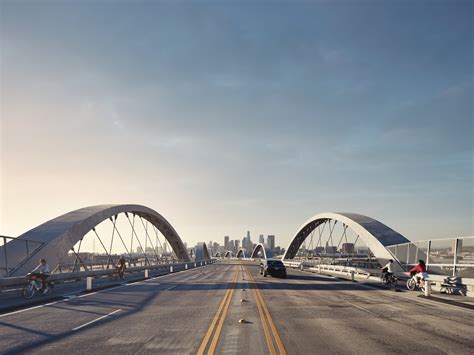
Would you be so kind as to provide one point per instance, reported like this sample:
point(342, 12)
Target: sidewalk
point(455, 300)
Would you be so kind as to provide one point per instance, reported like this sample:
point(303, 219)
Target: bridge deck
point(177, 314)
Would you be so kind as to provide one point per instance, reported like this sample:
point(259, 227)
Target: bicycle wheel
point(28, 291)
point(411, 284)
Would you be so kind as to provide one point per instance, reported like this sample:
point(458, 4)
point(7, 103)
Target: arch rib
point(60, 234)
point(375, 234)
point(266, 252)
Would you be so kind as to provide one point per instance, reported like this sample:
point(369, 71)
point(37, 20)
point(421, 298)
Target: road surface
point(198, 311)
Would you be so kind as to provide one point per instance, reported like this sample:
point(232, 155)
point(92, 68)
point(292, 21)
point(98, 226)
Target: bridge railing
point(22, 248)
point(18, 281)
point(452, 256)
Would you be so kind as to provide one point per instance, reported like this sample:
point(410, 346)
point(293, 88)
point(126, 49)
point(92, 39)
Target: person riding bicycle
point(42, 271)
point(420, 271)
point(121, 267)
point(387, 270)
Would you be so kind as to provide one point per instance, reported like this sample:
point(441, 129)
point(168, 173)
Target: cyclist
point(121, 267)
point(387, 270)
point(420, 271)
point(42, 271)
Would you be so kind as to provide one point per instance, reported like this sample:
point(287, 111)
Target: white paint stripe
point(171, 288)
point(20, 311)
point(96, 320)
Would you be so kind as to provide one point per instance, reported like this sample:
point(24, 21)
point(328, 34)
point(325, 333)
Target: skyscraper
point(271, 241)
point(226, 242)
point(261, 239)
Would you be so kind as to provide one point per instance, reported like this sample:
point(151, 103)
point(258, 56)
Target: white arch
point(241, 253)
point(375, 235)
point(266, 252)
point(61, 233)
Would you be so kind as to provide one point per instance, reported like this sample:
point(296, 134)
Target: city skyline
point(222, 115)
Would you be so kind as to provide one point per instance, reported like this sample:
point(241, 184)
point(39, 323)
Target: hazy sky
point(229, 116)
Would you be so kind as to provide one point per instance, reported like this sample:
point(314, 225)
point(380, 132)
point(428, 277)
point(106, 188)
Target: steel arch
point(376, 235)
point(202, 252)
point(266, 252)
point(60, 234)
point(241, 253)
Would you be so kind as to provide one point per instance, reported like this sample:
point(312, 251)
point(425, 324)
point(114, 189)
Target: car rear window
point(275, 263)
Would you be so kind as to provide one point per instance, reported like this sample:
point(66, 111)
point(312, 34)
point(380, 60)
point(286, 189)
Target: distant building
point(261, 239)
point(319, 250)
point(271, 241)
point(347, 248)
point(330, 249)
point(236, 246)
point(231, 246)
point(226, 242)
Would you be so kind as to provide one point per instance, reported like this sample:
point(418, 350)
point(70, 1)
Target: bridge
point(175, 302)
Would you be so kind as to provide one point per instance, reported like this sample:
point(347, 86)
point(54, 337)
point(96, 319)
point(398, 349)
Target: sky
point(228, 116)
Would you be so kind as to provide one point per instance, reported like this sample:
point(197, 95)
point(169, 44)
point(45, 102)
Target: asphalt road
point(198, 311)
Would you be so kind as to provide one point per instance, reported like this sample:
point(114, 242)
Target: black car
point(273, 268)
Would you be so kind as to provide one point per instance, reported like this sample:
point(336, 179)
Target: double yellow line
point(269, 327)
point(219, 319)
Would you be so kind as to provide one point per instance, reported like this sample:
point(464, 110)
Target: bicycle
point(390, 280)
point(413, 283)
point(35, 285)
point(118, 274)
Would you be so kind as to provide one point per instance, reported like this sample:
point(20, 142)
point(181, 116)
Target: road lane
point(318, 314)
point(271, 332)
point(155, 314)
point(172, 314)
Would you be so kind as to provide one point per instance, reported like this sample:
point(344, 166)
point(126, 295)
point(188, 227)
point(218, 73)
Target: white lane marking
point(96, 320)
point(20, 311)
point(171, 288)
point(93, 293)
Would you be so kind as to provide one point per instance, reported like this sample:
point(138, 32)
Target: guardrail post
point(427, 288)
point(171, 268)
point(201, 263)
point(194, 264)
point(352, 276)
point(89, 283)
point(185, 266)
point(146, 273)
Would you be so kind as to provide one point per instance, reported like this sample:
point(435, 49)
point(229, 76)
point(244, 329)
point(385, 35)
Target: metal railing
point(354, 261)
point(451, 256)
point(12, 282)
point(13, 251)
